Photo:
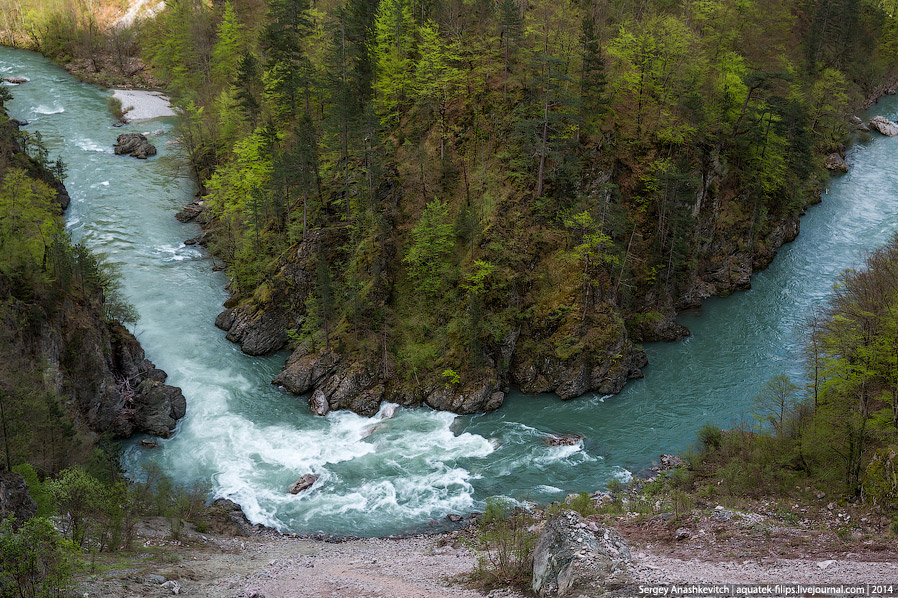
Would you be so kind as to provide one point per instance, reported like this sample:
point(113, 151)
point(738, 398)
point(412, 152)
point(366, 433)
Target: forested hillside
point(431, 201)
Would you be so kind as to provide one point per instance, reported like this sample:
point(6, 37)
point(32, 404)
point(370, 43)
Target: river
point(249, 441)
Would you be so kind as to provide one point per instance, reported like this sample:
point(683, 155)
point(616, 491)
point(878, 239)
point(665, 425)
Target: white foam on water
point(175, 253)
point(548, 489)
point(405, 469)
point(570, 454)
point(46, 110)
point(91, 146)
point(624, 475)
point(100, 184)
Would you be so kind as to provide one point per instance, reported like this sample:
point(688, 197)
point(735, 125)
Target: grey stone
point(563, 439)
point(572, 560)
point(318, 403)
point(303, 483)
point(135, 145)
point(259, 330)
point(884, 126)
point(14, 498)
point(836, 163)
point(158, 408)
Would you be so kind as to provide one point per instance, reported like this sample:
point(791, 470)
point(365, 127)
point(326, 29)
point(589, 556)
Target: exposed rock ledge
point(117, 390)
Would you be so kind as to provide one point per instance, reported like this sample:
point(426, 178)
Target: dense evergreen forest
point(433, 200)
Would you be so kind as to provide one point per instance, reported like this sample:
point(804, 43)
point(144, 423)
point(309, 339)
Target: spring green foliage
point(432, 240)
point(841, 431)
point(394, 49)
point(35, 561)
point(593, 154)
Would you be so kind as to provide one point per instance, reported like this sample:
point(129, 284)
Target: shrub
point(35, 561)
point(880, 482)
point(583, 504)
point(79, 496)
point(615, 486)
point(504, 545)
point(710, 436)
point(36, 489)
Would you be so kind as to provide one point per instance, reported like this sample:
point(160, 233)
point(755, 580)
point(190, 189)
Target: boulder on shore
point(16, 80)
point(574, 557)
point(667, 462)
point(303, 483)
point(836, 163)
point(135, 145)
point(884, 126)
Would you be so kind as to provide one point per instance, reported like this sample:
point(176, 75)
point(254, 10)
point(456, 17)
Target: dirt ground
point(756, 543)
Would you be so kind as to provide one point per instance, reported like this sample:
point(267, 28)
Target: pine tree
point(435, 77)
point(511, 26)
point(394, 47)
point(287, 64)
point(226, 51)
point(593, 101)
point(248, 83)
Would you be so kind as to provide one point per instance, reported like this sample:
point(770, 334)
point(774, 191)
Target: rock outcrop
point(227, 516)
point(257, 331)
point(101, 364)
point(135, 145)
point(574, 558)
point(14, 498)
point(836, 162)
point(884, 126)
point(191, 211)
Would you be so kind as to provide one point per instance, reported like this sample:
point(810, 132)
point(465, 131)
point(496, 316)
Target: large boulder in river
point(303, 483)
point(258, 329)
point(134, 144)
point(563, 440)
point(884, 126)
point(14, 498)
point(574, 557)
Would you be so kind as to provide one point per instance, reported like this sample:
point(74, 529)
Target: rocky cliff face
point(96, 365)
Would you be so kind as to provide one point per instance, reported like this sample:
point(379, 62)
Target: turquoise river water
point(249, 440)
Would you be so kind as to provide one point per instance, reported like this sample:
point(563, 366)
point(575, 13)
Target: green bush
point(583, 504)
point(614, 486)
point(35, 561)
point(710, 436)
point(880, 482)
point(79, 498)
point(504, 545)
